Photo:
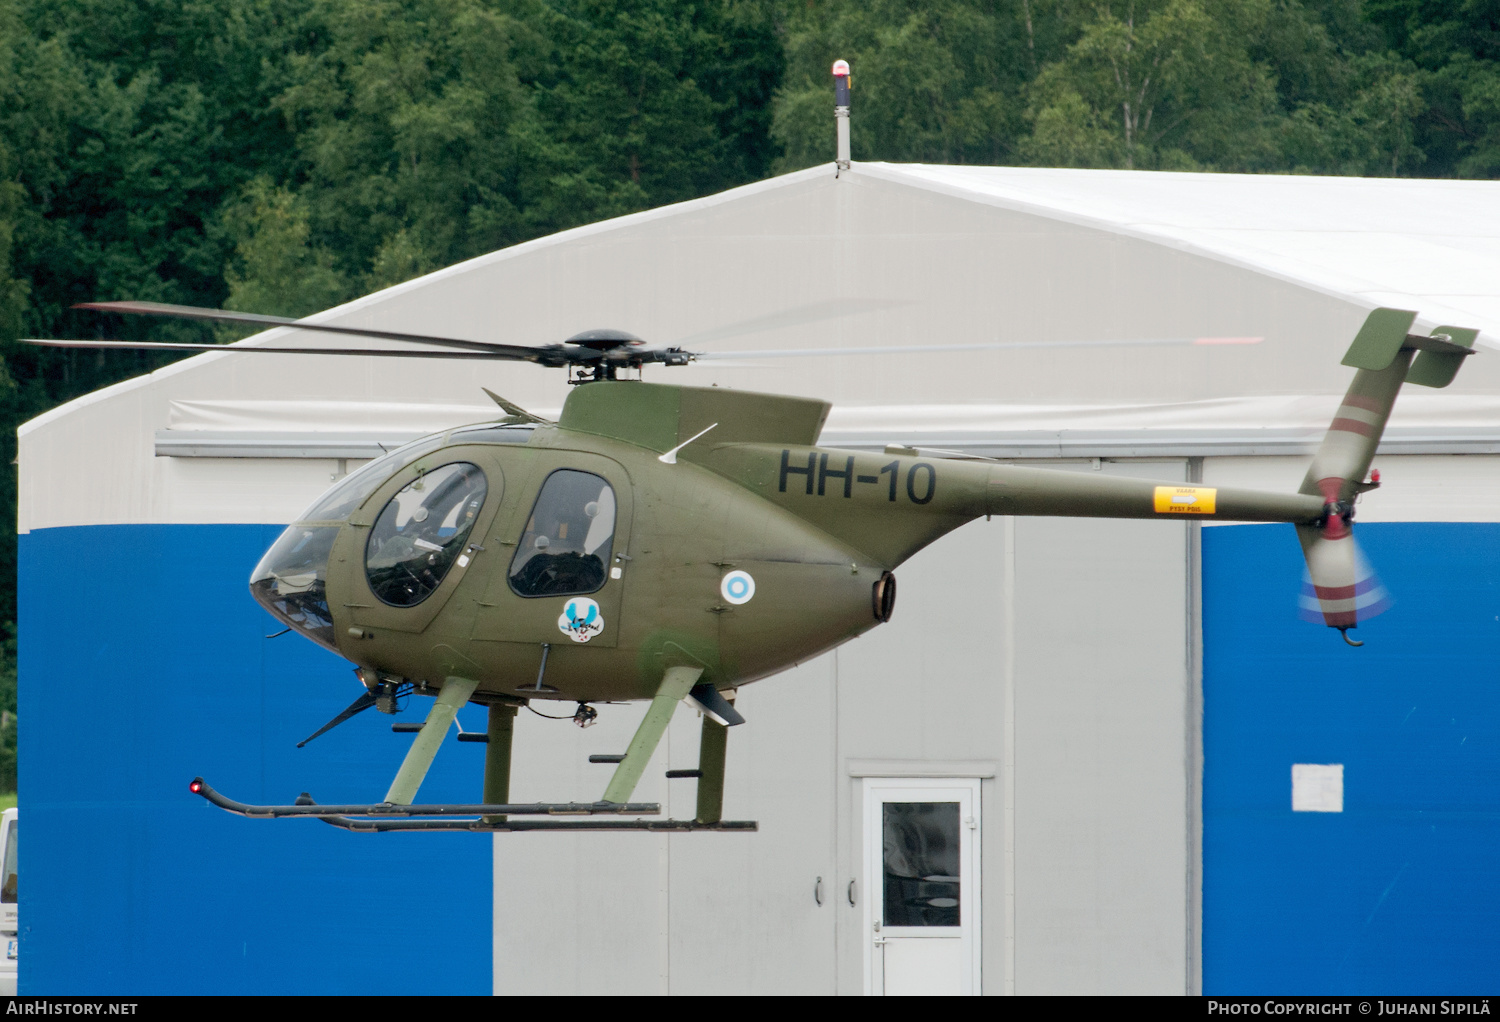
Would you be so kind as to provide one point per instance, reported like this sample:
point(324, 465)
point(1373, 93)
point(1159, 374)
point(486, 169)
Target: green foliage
point(937, 82)
point(1304, 86)
point(275, 268)
point(1176, 87)
point(407, 126)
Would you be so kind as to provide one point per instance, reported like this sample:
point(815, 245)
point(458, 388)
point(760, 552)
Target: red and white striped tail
point(1340, 589)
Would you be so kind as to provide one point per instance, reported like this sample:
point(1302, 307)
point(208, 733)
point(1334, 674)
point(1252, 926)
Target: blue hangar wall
point(1400, 892)
point(144, 663)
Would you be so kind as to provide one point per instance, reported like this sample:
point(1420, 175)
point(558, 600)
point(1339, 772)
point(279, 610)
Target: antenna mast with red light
point(841, 112)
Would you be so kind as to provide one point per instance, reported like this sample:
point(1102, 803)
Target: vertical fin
point(1437, 368)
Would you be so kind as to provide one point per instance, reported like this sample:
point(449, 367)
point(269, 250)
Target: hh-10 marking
point(668, 533)
point(823, 473)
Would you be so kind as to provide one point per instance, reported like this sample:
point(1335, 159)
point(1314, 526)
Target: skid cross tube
point(305, 806)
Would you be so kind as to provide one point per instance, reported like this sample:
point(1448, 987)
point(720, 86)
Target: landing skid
point(495, 812)
point(399, 817)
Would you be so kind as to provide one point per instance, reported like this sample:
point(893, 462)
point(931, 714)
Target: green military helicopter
point(670, 544)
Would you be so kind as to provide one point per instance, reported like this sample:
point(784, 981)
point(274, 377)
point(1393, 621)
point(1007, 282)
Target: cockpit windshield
point(352, 490)
point(290, 581)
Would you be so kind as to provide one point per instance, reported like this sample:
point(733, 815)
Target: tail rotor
point(1340, 589)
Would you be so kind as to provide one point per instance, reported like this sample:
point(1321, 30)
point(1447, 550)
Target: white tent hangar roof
point(1430, 245)
point(885, 255)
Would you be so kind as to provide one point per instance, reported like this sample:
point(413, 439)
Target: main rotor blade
point(516, 351)
point(169, 346)
point(801, 315)
point(922, 349)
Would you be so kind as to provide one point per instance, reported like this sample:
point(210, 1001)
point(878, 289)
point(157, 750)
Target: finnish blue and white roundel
point(737, 587)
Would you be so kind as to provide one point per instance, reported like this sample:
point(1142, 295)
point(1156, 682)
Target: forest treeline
point(284, 155)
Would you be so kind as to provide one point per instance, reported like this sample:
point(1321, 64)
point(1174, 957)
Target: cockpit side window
point(566, 547)
point(421, 532)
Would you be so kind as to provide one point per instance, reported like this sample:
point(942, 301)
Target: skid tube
point(342, 816)
point(382, 826)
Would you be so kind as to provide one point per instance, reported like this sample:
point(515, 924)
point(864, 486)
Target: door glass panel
point(565, 549)
point(421, 532)
point(921, 849)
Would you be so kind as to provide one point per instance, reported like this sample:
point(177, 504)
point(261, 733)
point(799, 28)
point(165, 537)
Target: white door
point(922, 873)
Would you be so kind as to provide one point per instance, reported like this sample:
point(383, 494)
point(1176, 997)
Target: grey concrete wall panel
point(1102, 740)
point(930, 686)
point(678, 913)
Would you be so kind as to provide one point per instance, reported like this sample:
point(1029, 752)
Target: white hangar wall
point(1054, 662)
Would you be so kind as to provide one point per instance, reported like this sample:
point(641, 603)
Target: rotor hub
point(605, 340)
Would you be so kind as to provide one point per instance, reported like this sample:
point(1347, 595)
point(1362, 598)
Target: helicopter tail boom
point(892, 504)
point(1016, 490)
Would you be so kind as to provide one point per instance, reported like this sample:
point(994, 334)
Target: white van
point(10, 931)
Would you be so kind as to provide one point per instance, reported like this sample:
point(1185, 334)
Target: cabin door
point(562, 547)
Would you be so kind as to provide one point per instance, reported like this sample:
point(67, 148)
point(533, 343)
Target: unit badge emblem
point(580, 619)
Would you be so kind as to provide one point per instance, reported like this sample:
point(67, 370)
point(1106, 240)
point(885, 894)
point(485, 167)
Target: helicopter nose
point(291, 579)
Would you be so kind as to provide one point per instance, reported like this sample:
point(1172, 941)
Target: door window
point(921, 863)
point(566, 546)
point(421, 532)
point(9, 871)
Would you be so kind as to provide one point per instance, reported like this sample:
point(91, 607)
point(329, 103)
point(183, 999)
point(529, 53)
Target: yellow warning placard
point(1186, 500)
